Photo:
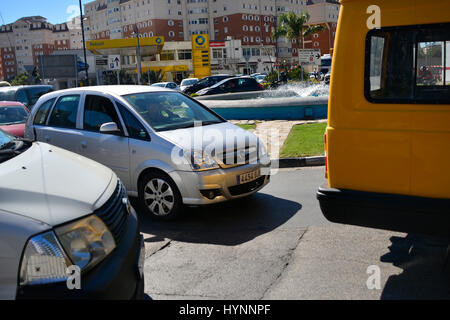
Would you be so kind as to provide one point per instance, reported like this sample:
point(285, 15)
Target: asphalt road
point(277, 245)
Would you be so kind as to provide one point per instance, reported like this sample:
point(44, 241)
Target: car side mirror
point(109, 128)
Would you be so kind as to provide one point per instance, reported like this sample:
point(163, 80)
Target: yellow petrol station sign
point(149, 46)
point(201, 57)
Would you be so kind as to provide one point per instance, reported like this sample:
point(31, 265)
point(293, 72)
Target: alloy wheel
point(159, 197)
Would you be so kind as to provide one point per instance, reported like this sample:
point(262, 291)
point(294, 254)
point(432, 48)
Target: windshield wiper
point(208, 123)
point(8, 145)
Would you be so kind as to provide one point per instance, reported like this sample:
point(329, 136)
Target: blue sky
point(56, 11)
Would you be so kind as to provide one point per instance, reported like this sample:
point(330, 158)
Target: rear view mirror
point(110, 127)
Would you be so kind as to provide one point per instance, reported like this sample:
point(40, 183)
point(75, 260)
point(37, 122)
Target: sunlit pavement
point(277, 245)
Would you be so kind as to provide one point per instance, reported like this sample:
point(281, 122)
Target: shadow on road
point(425, 273)
point(229, 224)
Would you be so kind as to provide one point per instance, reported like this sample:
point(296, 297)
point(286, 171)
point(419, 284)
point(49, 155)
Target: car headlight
point(44, 261)
point(47, 256)
point(87, 241)
point(263, 153)
point(201, 161)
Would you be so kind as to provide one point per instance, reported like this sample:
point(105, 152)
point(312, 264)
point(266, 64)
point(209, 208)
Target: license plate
point(249, 177)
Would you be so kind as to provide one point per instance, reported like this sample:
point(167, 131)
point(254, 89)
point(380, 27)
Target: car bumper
point(118, 277)
point(194, 185)
point(386, 211)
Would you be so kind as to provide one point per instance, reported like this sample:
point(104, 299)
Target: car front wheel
point(159, 196)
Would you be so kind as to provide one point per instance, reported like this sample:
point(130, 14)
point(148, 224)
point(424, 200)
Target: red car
point(13, 116)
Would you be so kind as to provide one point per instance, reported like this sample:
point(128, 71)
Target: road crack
point(288, 257)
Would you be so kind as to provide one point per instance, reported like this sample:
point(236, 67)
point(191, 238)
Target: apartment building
point(22, 42)
point(250, 21)
point(326, 13)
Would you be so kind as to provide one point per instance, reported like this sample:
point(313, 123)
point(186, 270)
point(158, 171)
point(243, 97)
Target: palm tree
point(292, 26)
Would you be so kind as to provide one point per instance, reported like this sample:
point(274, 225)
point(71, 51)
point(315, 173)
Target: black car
point(233, 85)
point(205, 83)
point(28, 95)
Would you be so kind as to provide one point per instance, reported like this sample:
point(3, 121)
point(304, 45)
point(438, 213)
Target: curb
point(301, 162)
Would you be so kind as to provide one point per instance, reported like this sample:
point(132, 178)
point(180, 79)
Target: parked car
point(233, 85)
point(206, 83)
point(186, 83)
point(168, 85)
point(261, 78)
point(327, 78)
point(146, 134)
point(13, 116)
point(27, 95)
point(60, 212)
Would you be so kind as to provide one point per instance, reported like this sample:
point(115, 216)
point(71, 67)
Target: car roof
point(10, 103)
point(118, 90)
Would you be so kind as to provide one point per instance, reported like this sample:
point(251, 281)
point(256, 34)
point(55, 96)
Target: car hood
point(53, 186)
point(14, 129)
point(212, 135)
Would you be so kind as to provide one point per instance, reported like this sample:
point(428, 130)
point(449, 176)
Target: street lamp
point(84, 44)
point(139, 74)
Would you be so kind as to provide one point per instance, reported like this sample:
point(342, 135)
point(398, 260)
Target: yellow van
point(388, 135)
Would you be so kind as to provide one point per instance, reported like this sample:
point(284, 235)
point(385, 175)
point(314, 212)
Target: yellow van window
point(408, 65)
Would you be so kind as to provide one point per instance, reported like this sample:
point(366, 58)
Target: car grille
point(114, 213)
point(239, 157)
point(247, 187)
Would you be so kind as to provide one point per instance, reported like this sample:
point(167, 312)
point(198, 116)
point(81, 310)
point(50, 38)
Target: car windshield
point(220, 83)
point(188, 82)
point(5, 139)
point(7, 95)
point(165, 111)
point(12, 115)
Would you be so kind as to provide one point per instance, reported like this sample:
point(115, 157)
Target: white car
point(167, 85)
point(186, 83)
point(59, 213)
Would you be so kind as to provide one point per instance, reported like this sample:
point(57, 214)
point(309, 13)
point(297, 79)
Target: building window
point(167, 55)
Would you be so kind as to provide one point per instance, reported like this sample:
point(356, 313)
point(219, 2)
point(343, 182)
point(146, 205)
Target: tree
point(292, 26)
point(22, 79)
point(110, 78)
point(155, 77)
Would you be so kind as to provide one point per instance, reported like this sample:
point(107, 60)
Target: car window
point(135, 129)
point(171, 86)
point(416, 75)
point(22, 97)
point(7, 95)
point(12, 115)
point(98, 111)
point(44, 109)
point(203, 82)
point(170, 110)
point(64, 114)
point(36, 92)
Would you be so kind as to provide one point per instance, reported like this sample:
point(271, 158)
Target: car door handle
point(84, 145)
point(47, 138)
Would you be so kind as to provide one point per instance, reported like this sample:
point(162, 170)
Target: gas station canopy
point(126, 47)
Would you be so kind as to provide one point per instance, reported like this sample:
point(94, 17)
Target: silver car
point(167, 149)
point(62, 215)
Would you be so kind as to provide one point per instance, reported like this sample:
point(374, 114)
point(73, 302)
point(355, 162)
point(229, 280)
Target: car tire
point(159, 196)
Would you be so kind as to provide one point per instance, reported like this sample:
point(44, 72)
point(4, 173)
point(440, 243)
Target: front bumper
point(191, 184)
point(386, 211)
point(118, 277)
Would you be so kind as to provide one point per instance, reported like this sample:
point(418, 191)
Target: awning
point(126, 47)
